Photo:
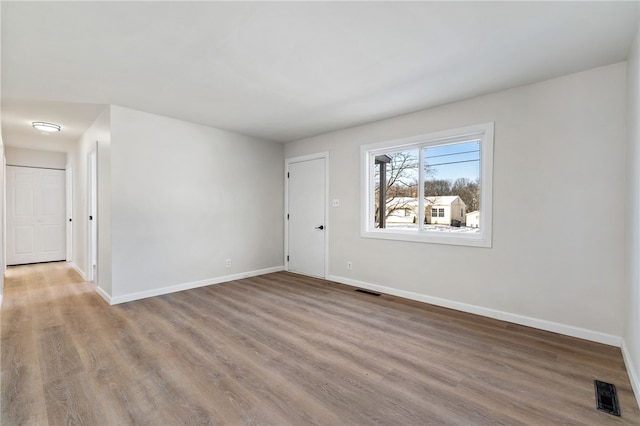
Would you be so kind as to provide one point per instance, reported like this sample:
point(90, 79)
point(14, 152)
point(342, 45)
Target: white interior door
point(306, 217)
point(36, 215)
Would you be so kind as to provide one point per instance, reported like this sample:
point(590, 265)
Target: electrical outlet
point(349, 266)
point(227, 263)
point(335, 202)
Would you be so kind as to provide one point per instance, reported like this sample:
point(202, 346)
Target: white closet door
point(306, 213)
point(36, 217)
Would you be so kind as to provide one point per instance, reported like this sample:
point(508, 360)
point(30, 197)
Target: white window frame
point(484, 132)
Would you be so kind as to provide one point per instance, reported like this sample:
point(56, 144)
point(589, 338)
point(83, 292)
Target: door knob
point(320, 227)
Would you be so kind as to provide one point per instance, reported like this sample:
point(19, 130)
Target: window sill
point(457, 239)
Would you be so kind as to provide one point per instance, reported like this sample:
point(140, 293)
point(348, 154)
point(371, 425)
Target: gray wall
point(35, 158)
point(186, 197)
point(631, 346)
point(557, 260)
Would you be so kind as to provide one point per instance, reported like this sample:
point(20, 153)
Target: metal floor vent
point(372, 293)
point(606, 398)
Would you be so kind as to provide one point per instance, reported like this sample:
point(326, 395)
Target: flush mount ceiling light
point(45, 127)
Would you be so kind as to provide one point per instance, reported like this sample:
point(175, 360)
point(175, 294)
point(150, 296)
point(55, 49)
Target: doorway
point(36, 215)
point(306, 215)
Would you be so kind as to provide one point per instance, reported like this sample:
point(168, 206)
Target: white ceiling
point(286, 70)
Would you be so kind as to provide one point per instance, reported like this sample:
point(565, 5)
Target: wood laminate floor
point(283, 349)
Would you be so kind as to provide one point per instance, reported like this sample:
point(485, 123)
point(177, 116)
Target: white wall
point(104, 171)
point(631, 346)
point(35, 158)
point(557, 143)
point(184, 198)
point(2, 198)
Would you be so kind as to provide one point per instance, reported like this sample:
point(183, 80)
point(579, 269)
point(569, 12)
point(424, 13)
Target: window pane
point(396, 183)
point(452, 187)
point(430, 188)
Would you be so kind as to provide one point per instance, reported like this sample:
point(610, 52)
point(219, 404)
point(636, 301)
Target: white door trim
point(92, 185)
point(287, 162)
point(69, 201)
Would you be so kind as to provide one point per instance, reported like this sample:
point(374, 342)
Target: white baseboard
point(631, 371)
point(0, 300)
point(78, 270)
point(186, 286)
point(569, 330)
point(104, 295)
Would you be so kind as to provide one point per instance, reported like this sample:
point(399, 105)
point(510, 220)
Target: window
point(428, 176)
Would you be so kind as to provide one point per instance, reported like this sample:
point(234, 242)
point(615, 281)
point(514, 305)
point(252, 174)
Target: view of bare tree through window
point(451, 188)
point(399, 186)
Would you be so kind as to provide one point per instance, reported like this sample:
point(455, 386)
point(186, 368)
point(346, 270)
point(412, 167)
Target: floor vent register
point(606, 398)
point(371, 293)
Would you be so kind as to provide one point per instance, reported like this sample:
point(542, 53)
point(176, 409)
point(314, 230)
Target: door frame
point(65, 213)
point(69, 207)
point(92, 225)
point(317, 156)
